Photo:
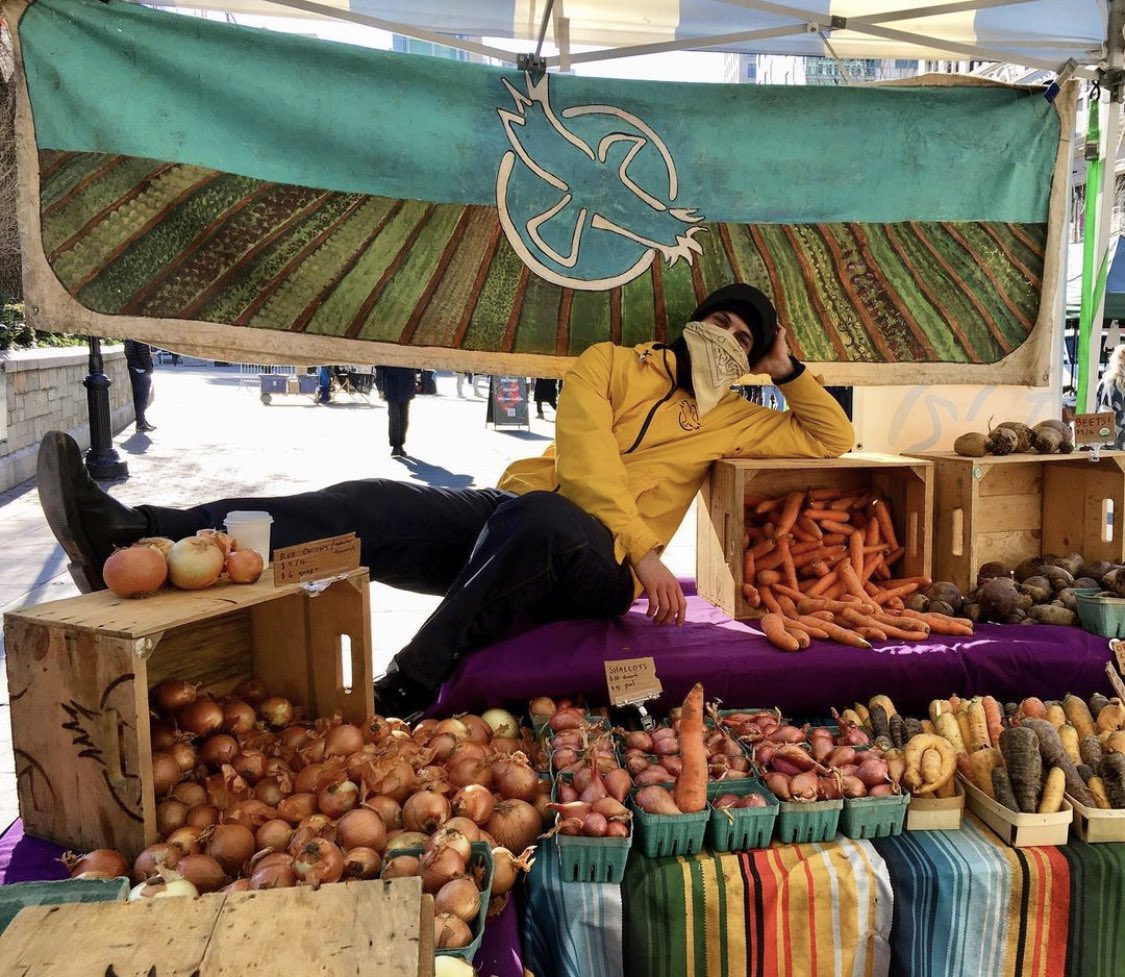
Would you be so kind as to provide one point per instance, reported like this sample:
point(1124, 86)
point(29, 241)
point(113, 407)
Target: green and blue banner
point(211, 187)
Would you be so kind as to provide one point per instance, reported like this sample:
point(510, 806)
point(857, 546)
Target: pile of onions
point(192, 563)
point(250, 794)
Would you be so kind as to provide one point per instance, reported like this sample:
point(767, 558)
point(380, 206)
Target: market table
point(737, 665)
point(922, 904)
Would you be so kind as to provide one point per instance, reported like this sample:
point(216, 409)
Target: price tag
point(1095, 428)
point(1115, 681)
point(632, 680)
point(316, 559)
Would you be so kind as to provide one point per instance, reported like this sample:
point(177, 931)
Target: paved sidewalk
point(215, 439)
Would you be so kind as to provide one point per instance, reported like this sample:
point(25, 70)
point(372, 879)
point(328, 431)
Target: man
point(138, 357)
point(397, 384)
point(575, 533)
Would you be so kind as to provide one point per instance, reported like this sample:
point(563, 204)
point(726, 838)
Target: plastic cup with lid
point(251, 531)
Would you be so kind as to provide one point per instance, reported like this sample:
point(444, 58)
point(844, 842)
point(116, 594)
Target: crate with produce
point(1006, 509)
point(801, 523)
point(81, 671)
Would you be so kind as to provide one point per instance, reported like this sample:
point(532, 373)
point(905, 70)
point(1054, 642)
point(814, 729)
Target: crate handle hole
point(957, 544)
point(912, 535)
point(1107, 520)
point(344, 644)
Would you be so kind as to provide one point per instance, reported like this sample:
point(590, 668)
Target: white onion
point(503, 723)
point(194, 563)
point(172, 885)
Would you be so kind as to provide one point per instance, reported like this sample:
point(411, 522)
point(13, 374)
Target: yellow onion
point(135, 571)
point(194, 563)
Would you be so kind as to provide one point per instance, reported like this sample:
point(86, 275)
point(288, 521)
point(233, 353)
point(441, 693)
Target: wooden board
point(904, 482)
point(374, 928)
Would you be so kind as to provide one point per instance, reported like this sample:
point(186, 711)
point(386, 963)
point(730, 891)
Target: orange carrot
point(901, 581)
point(889, 630)
point(805, 546)
point(821, 494)
point(811, 627)
point(690, 791)
point(820, 553)
point(750, 592)
point(773, 627)
point(819, 568)
point(940, 624)
point(752, 535)
point(769, 577)
point(788, 608)
point(824, 584)
point(804, 641)
point(844, 636)
point(886, 525)
point(790, 511)
point(834, 539)
point(904, 591)
point(769, 600)
point(992, 714)
point(810, 527)
point(855, 552)
point(791, 593)
point(836, 528)
point(748, 569)
point(763, 508)
point(787, 564)
point(871, 533)
point(871, 633)
point(762, 548)
point(842, 504)
point(906, 623)
point(852, 582)
point(838, 589)
point(820, 616)
point(861, 501)
point(771, 560)
point(810, 605)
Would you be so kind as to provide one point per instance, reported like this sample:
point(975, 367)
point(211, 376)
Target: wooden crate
point(904, 482)
point(1016, 506)
point(372, 928)
point(80, 671)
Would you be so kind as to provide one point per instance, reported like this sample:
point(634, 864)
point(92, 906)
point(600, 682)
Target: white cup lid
point(247, 515)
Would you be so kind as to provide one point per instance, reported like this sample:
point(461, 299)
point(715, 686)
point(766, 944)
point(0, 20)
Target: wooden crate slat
point(1001, 513)
point(1012, 479)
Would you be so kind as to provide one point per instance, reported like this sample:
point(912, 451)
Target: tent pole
point(1090, 325)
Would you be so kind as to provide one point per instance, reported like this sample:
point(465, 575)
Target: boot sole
point(59, 456)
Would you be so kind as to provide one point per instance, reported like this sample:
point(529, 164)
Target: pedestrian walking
point(138, 357)
point(546, 392)
point(398, 385)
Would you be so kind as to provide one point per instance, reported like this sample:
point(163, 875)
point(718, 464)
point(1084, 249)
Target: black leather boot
point(399, 696)
point(88, 522)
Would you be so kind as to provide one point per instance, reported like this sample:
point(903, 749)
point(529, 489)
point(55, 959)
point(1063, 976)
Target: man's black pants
point(494, 556)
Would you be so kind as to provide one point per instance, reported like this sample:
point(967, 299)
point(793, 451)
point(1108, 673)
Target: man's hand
point(776, 361)
point(666, 602)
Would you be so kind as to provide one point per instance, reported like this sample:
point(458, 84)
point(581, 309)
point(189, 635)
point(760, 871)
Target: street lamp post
point(101, 460)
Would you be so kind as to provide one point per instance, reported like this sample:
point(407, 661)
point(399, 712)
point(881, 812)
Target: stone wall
point(41, 390)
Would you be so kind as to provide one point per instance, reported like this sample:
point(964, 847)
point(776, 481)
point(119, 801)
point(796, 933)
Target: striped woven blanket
point(922, 904)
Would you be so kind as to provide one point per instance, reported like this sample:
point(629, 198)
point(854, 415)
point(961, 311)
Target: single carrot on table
point(690, 790)
point(773, 627)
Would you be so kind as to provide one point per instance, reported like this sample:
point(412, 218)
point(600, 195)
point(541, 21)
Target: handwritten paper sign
point(315, 560)
point(632, 680)
point(1094, 428)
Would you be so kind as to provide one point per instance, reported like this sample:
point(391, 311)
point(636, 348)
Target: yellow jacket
point(631, 450)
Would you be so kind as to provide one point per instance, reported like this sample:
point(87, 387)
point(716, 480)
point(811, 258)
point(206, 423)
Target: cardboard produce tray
point(1013, 507)
point(1095, 825)
point(1019, 830)
point(929, 813)
point(80, 671)
point(906, 484)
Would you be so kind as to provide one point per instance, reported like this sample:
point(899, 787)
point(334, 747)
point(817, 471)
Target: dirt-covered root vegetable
point(1002, 441)
point(1025, 436)
point(1038, 588)
point(1059, 577)
point(971, 445)
point(1112, 772)
point(1111, 717)
point(1052, 614)
point(999, 599)
point(1020, 748)
point(947, 592)
point(1054, 755)
point(1002, 788)
point(982, 762)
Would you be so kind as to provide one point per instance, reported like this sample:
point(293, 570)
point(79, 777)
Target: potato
point(1087, 583)
point(941, 607)
point(1094, 568)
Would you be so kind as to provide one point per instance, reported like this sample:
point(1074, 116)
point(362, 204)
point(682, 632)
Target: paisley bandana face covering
point(717, 360)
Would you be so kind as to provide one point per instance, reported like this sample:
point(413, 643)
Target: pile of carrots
point(819, 562)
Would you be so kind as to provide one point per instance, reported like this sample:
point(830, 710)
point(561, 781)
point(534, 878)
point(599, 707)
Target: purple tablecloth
point(27, 859)
point(737, 665)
